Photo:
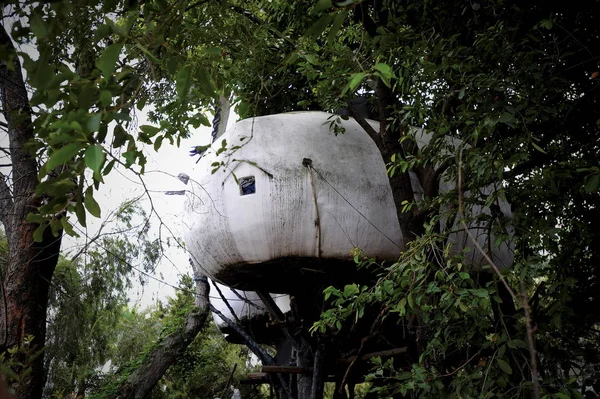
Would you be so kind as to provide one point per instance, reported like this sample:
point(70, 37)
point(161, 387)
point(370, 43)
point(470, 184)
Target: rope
point(353, 207)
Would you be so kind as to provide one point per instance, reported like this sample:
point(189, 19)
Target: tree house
point(280, 204)
point(280, 200)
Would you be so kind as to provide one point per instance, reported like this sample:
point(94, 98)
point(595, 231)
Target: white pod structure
point(248, 311)
point(489, 247)
point(280, 199)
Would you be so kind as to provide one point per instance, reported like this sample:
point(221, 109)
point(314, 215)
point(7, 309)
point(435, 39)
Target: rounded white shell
point(315, 213)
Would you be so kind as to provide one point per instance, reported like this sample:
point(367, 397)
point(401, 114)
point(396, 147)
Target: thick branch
point(361, 15)
point(254, 347)
point(140, 383)
point(16, 111)
point(264, 357)
point(367, 127)
point(526, 167)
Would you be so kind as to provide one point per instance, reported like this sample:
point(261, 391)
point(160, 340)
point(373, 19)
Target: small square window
point(247, 185)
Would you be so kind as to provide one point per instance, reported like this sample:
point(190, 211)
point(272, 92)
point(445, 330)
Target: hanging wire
point(353, 207)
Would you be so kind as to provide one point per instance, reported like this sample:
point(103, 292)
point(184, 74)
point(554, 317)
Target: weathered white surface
point(226, 230)
point(501, 253)
point(243, 310)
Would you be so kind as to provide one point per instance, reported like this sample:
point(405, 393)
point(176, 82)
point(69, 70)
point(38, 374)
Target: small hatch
point(247, 185)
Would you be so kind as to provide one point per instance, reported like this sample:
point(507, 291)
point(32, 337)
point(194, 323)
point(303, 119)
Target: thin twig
point(530, 343)
point(524, 302)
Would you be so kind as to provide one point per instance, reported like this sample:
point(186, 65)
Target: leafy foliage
point(203, 370)
point(87, 301)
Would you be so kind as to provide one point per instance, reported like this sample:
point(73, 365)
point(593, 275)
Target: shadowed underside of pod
point(281, 200)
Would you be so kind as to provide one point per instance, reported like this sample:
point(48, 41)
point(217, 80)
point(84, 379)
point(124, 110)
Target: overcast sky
point(161, 175)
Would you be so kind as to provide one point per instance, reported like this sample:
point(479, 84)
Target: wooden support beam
point(256, 379)
point(275, 312)
point(367, 356)
point(287, 369)
point(271, 306)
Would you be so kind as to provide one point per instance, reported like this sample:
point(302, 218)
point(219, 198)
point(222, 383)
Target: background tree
point(79, 69)
point(203, 367)
point(87, 301)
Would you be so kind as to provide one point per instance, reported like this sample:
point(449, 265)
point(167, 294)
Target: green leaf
point(183, 81)
point(312, 59)
point(200, 119)
point(207, 82)
point(592, 183)
point(116, 28)
point(68, 227)
point(546, 23)
point(102, 31)
point(80, 212)
point(129, 157)
point(90, 203)
point(158, 142)
point(537, 147)
point(516, 343)
point(35, 218)
point(108, 167)
point(141, 103)
point(385, 70)
point(338, 21)
point(354, 82)
point(63, 155)
point(504, 366)
point(323, 5)
point(148, 54)
point(508, 119)
point(94, 158)
point(411, 301)
point(105, 98)
point(149, 130)
point(119, 136)
point(172, 64)
point(38, 26)
point(318, 27)
point(388, 287)
point(38, 234)
point(93, 123)
point(107, 62)
point(350, 289)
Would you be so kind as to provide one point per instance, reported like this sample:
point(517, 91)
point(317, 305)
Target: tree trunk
point(26, 288)
point(140, 383)
point(31, 264)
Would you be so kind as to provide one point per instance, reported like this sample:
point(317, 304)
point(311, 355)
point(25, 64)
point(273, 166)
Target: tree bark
point(31, 264)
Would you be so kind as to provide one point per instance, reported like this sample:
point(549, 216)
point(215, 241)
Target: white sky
point(121, 185)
